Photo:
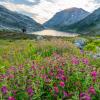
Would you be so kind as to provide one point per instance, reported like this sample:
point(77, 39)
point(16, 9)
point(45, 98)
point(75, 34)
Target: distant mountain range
point(90, 24)
point(14, 21)
point(66, 17)
point(76, 20)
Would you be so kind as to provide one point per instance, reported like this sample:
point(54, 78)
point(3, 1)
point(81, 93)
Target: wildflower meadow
point(47, 70)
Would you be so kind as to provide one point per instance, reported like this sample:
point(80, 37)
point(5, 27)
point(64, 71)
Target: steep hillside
point(15, 21)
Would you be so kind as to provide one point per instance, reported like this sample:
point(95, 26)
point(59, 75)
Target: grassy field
point(48, 69)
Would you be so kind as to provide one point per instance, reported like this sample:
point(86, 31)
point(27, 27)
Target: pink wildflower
point(30, 91)
point(51, 73)
point(4, 89)
point(61, 71)
point(85, 61)
point(33, 67)
point(65, 94)
point(84, 96)
point(93, 73)
point(75, 61)
point(11, 76)
point(92, 90)
point(56, 89)
point(62, 84)
point(63, 78)
point(11, 98)
point(12, 69)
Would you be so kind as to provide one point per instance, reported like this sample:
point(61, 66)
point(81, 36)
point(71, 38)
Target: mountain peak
point(73, 8)
point(66, 17)
point(90, 24)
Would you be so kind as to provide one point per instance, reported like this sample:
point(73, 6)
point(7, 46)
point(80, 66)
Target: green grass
point(31, 69)
point(20, 50)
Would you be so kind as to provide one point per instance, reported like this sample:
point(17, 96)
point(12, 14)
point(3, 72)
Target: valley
point(56, 60)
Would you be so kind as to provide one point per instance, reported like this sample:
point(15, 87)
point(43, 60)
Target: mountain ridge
point(89, 24)
point(66, 17)
point(16, 21)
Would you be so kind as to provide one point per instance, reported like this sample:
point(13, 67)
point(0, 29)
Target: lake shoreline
point(54, 33)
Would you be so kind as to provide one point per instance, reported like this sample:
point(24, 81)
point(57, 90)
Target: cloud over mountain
point(42, 10)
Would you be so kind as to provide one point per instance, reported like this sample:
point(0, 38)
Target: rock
point(80, 43)
point(96, 56)
point(39, 37)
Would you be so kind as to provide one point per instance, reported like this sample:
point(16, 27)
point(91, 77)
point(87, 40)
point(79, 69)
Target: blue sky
point(26, 2)
point(42, 10)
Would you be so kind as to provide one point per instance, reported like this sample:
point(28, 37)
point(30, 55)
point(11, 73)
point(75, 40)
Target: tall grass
point(47, 70)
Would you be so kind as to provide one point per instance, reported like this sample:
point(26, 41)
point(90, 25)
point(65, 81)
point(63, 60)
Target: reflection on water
point(54, 33)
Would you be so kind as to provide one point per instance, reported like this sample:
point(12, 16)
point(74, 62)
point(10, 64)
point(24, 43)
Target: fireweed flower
point(4, 89)
point(11, 76)
point(33, 67)
point(62, 84)
point(92, 90)
point(44, 76)
point(61, 71)
point(30, 91)
point(84, 96)
point(56, 89)
point(4, 76)
point(75, 61)
point(94, 75)
point(11, 98)
point(85, 61)
point(63, 78)
point(65, 94)
point(51, 73)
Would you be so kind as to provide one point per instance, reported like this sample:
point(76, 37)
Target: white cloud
point(45, 10)
point(31, 0)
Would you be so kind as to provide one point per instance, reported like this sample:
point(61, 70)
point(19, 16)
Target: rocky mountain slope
point(14, 21)
point(90, 24)
point(66, 17)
